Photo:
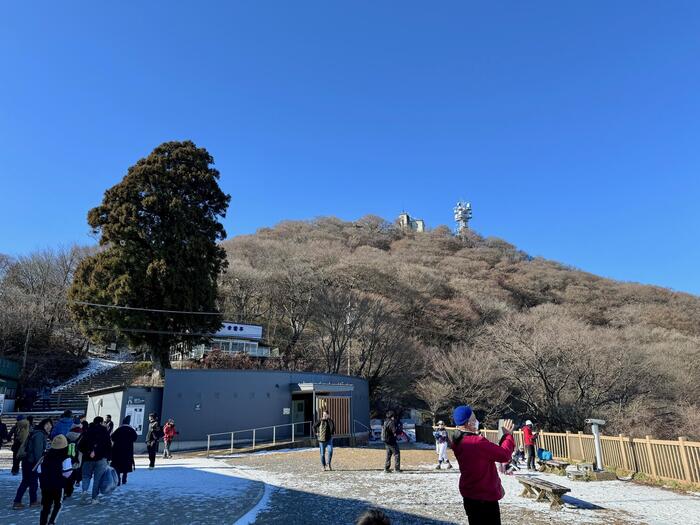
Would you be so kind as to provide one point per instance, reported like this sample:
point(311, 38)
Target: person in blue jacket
point(63, 425)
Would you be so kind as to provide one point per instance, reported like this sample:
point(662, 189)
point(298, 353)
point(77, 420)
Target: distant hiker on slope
point(479, 483)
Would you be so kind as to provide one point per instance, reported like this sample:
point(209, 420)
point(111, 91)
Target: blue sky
point(572, 127)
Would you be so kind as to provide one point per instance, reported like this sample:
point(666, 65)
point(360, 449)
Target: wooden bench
point(543, 490)
point(555, 466)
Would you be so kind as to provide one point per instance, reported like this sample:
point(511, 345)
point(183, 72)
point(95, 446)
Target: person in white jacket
point(440, 435)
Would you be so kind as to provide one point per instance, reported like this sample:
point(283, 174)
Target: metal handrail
point(356, 422)
point(254, 431)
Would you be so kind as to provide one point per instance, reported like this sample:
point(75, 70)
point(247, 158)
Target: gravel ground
point(304, 493)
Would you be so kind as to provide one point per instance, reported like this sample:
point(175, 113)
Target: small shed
point(121, 401)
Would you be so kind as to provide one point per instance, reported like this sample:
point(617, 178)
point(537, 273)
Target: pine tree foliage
point(158, 232)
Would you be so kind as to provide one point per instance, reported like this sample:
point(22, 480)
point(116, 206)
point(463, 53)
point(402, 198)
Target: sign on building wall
point(136, 412)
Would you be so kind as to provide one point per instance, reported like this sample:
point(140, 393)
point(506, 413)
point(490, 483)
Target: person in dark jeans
point(325, 428)
point(390, 443)
point(530, 439)
point(155, 433)
point(31, 454)
point(96, 447)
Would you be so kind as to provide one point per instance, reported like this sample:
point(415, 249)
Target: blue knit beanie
point(461, 414)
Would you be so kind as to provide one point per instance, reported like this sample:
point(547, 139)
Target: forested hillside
point(429, 319)
point(437, 319)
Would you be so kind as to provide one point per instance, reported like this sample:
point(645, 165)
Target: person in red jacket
point(530, 438)
point(479, 483)
point(169, 433)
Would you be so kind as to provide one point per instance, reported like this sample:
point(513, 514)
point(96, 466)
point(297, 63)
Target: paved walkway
point(178, 491)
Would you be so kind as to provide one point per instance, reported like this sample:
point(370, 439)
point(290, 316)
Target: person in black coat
point(153, 436)
point(123, 440)
point(54, 469)
point(96, 447)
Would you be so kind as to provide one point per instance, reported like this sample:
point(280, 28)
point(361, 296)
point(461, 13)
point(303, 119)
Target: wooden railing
point(660, 459)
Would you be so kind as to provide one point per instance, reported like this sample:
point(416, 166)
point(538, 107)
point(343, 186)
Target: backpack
point(385, 433)
point(109, 481)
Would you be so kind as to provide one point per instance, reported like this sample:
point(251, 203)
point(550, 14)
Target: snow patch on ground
point(95, 366)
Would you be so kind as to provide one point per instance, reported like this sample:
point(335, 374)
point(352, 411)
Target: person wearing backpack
point(54, 469)
point(154, 434)
point(31, 452)
point(390, 443)
point(96, 447)
point(18, 435)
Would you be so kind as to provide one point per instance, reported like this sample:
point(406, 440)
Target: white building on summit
point(408, 223)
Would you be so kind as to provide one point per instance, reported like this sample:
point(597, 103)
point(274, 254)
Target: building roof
point(322, 387)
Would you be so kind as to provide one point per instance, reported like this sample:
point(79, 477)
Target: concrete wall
point(103, 404)
point(208, 401)
point(116, 403)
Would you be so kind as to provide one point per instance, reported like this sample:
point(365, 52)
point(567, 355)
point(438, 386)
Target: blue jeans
point(323, 446)
point(30, 480)
point(94, 470)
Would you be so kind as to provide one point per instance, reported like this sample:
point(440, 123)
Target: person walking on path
point(109, 424)
point(390, 443)
point(76, 476)
point(169, 433)
point(63, 425)
point(154, 434)
point(479, 483)
point(96, 448)
point(18, 434)
point(530, 439)
point(123, 440)
point(54, 470)
point(31, 452)
point(440, 436)
point(324, 429)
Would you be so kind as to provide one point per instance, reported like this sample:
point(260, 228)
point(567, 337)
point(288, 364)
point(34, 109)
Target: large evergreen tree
point(158, 229)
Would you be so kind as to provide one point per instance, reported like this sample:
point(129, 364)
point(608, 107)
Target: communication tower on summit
point(463, 212)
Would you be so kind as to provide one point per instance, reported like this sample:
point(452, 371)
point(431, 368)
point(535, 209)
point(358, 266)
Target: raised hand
point(507, 426)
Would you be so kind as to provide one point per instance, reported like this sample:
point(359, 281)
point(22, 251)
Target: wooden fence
point(660, 459)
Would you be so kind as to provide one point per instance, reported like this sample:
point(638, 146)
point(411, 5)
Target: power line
point(406, 324)
point(117, 307)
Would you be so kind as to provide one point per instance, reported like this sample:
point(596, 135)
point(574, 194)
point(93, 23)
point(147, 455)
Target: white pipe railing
point(256, 433)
